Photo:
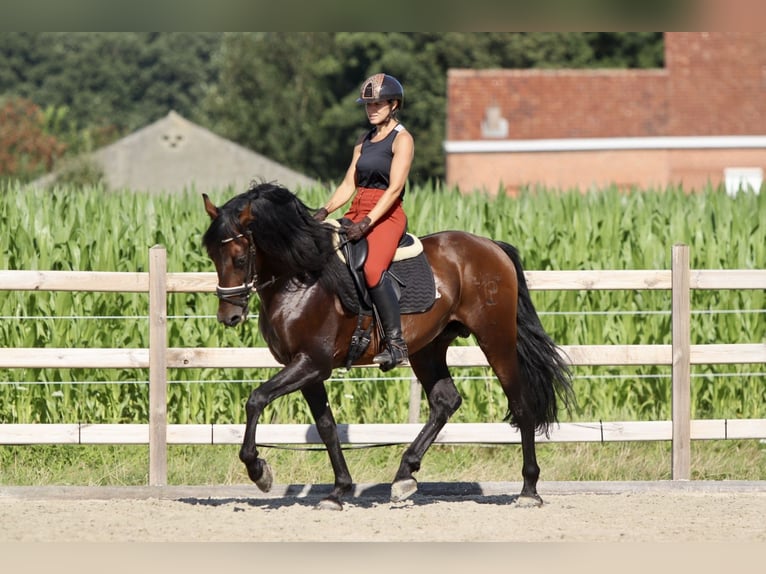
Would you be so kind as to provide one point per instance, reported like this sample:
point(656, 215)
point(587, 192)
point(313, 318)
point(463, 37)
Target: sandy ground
point(573, 512)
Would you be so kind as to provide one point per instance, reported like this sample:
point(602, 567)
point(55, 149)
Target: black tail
point(546, 376)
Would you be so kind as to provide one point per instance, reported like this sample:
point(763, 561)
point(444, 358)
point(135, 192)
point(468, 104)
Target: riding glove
point(321, 214)
point(357, 230)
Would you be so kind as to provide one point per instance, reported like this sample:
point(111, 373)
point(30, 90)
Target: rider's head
point(382, 88)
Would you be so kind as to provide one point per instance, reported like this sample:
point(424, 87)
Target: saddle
point(412, 275)
point(410, 270)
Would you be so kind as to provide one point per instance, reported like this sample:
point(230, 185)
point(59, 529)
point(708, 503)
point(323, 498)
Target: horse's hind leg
point(503, 358)
point(530, 470)
point(316, 397)
point(430, 366)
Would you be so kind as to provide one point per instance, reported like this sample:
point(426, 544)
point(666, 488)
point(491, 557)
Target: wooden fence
point(158, 358)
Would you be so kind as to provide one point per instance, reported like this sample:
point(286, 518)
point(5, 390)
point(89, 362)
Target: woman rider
point(379, 168)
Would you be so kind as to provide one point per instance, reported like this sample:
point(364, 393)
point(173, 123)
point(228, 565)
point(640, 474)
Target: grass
point(127, 465)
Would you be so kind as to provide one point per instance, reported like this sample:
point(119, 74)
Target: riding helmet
point(381, 87)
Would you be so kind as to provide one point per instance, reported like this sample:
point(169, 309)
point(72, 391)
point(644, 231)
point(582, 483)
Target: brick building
point(700, 119)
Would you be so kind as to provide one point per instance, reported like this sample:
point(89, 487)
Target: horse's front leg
point(296, 375)
point(316, 397)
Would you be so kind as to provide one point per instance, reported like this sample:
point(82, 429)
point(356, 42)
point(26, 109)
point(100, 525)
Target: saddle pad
point(418, 290)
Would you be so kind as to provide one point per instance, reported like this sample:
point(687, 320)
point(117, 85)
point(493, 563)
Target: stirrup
point(395, 354)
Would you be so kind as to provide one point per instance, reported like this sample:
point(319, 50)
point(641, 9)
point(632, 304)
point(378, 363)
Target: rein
point(240, 295)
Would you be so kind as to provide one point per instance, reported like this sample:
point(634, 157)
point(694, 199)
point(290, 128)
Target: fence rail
point(680, 355)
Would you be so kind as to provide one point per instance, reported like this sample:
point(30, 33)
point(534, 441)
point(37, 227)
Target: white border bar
point(369, 434)
point(612, 144)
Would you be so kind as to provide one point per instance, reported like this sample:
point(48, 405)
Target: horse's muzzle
point(231, 319)
point(234, 302)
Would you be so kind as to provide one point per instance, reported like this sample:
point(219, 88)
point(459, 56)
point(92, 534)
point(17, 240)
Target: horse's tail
point(546, 376)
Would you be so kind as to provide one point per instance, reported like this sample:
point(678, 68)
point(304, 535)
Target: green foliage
point(26, 149)
point(287, 95)
point(90, 229)
point(306, 83)
point(283, 79)
point(124, 79)
point(80, 171)
point(90, 88)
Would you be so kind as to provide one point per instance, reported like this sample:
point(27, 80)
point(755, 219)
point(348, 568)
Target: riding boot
point(386, 302)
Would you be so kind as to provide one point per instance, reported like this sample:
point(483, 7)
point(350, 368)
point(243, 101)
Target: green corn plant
point(90, 229)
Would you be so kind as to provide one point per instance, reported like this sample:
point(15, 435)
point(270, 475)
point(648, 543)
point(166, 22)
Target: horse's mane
point(284, 230)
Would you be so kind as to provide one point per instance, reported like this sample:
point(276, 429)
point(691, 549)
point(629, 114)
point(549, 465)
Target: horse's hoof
point(403, 489)
point(529, 501)
point(267, 477)
point(330, 503)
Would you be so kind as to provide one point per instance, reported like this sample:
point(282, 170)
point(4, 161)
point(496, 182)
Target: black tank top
point(373, 168)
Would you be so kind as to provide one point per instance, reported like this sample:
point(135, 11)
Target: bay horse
point(265, 240)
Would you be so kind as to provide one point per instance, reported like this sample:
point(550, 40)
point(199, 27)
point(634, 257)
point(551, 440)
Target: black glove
point(321, 214)
point(357, 230)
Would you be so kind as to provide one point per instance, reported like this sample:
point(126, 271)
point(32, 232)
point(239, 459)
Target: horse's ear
point(246, 216)
point(211, 209)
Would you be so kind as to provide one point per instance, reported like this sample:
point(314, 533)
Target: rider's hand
point(357, 230)
point(321, 214)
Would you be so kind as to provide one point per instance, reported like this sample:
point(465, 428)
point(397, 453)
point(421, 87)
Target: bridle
point(240, 295)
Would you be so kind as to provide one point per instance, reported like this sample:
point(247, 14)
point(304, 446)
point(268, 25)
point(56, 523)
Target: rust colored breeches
point(383, 237)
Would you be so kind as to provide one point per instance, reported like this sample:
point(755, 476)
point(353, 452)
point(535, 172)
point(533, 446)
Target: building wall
point(558, 104)
point(713, 84)
point(645, 169)
point(695, 169)
point(716, 83)
point(560, 170)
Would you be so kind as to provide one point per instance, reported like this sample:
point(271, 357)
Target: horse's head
point(229, 244)
point(291, 247)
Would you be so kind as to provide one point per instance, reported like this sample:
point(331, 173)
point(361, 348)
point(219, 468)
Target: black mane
point(283, 230)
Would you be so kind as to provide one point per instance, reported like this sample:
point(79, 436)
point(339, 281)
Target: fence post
point(158, 382)
point(413, 414)
point(681, 400)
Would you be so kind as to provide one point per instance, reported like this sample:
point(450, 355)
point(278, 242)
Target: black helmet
point(381, 87)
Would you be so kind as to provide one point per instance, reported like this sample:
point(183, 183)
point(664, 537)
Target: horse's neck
point(269, 268)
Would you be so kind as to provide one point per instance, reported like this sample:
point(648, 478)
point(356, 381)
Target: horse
point(266, 241)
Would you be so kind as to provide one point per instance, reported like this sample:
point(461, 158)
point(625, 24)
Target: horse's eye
point(240, 261)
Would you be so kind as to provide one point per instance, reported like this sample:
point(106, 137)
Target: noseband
point(240, 295)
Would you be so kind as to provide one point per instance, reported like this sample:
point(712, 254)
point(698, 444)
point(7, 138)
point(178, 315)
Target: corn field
point(92, 230)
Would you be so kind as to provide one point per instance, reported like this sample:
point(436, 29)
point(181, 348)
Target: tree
point(125, 80)
point(290, 96)
point(95, 87)
point(26, 150)
point(274, 94)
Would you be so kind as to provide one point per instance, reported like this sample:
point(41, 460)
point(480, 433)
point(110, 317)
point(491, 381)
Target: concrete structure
point(173, 154)
point(700, 119)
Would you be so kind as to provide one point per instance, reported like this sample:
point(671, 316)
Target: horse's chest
point(288, 321)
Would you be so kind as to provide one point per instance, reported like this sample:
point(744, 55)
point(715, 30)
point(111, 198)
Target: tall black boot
point(386, 303)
